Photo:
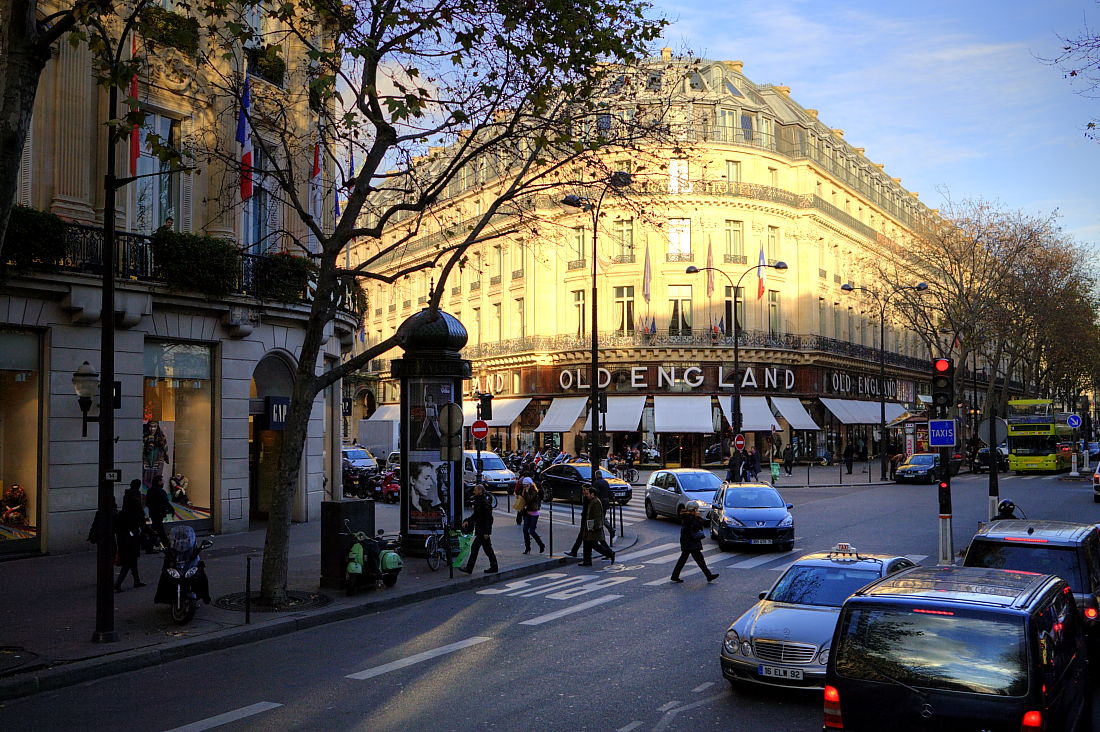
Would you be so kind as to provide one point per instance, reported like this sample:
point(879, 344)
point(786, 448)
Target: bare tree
point(1080, 62)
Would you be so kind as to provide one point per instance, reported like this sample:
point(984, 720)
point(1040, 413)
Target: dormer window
point(731, 88)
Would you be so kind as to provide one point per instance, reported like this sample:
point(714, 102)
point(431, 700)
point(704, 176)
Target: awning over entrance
point(855, 411)
point(756, 415)
point(505, 411)
point(624, 413)
point(386, 411)
point(469, 412)
point(682, 414)
point(795, 414)
point(562, 414)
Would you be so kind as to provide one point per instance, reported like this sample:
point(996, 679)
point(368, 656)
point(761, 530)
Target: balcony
point(377, 312)
point(494, 281)
point(456, 290)
point(836, 278)
point(406, 304)
point(772, 262)
point(475, 286)
point(735, 259)
point(422, 300)
point(576, 264)
point(377, 364)
point(679, 257)
point(393, 307)
point(623, 259)
point(822, 274)
point(517, 274)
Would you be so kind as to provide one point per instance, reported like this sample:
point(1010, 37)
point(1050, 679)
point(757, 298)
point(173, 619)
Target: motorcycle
point(370, 559)
point(183, 580)
point(390, 488)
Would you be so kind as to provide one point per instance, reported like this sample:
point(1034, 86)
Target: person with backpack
point(482, 523)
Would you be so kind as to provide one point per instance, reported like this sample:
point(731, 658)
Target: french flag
point(245, 140)
point(761, 269)
point(135, 133)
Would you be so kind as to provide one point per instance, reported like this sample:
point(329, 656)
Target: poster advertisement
point(427, 398)
point(430, 483)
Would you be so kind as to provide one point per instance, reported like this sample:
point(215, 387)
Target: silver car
point(667, 491)
point(783, 640)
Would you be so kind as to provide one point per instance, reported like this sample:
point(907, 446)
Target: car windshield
point(1030, 557)
point(825, 586)
point(357, 455)
point(586, 473)
point(492, 462)
point(921, 460)
point(956, 651)
point(753, 498)
point(699, 482)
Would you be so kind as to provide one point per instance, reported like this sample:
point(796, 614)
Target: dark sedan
point(753, 514)
point(924, 467)
point(564, 481)
point(981, 460)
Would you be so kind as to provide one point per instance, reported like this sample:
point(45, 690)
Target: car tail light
point(1090, 613)
point(1026, 539)
point(833, 717)
point(1032, 720)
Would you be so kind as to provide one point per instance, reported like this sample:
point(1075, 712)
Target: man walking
point(482, 520)
point(849, 455)
point(733, 468)
point(788, 459)
point(592, 527)
point(752, 465)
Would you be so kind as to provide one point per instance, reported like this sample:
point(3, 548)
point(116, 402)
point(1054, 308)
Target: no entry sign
point(739, 442)
point(479, 429)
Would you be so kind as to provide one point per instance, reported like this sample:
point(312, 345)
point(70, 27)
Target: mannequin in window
point(15, 506)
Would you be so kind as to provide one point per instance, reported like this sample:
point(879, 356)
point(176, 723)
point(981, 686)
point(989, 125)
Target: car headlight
point(732, 641)
point(788, 521)
point(823, 656)
point(191, 572)
point(731, 521)
point(173, 573)
point(746, 648)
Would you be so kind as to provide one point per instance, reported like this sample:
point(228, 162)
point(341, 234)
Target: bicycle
point(629, 474)
point(440, 546)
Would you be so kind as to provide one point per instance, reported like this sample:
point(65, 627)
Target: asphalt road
point(612, 647)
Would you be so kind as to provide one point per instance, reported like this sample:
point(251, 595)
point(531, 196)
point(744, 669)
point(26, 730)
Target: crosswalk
point(630, 514)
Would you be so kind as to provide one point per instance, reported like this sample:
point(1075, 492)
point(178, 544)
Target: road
point(613, 647)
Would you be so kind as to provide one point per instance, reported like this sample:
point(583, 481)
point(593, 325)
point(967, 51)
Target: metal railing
point(735, 259)
point(576, 264)
point(822, 274)
point(494, 280)
point(679, 257)
point(623, 259)
point(517, 274)
point(475, 286)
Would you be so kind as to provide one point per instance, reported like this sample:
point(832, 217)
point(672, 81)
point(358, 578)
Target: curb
point(76, 672)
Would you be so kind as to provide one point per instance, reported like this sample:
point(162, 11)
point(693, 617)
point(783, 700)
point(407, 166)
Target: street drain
point(295, 600)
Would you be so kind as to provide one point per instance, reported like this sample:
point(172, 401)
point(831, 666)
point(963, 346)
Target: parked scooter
point(183, 580)
point(390, 488)
point(370, 559)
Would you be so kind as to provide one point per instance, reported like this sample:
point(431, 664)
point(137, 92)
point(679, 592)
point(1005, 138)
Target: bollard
point(551, 503)
point(248, 590)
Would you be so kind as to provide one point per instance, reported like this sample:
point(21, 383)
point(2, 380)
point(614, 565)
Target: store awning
point(506, 411)
point(562, 414)
point(857, 411)
point(795, 414)
point(624, 413)
point(469, 412)
point(756, 415)
point(682, 414)
point(386, 411)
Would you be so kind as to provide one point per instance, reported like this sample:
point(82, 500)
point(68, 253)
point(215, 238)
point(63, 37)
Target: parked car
point(783, 640)
point(1094, 450)
point(564, 481)
point(1069, 550)
point(981, 462)
point(959, 648)
point(667, 491)
point(358, 460)
point(751, 514)
point(393, 461)
point(494, 473)
point(923, 467)
point(713, 454)
point(1096, 484)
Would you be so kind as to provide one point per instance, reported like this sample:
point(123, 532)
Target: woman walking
point(691, 542)
point(128, 527)
point(532, 502)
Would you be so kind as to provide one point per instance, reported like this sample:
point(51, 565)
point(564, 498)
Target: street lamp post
point(618, 179)
point(736, 411)
point(882, 302)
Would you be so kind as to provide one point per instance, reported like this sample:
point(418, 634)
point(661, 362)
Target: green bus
point(1039, 439)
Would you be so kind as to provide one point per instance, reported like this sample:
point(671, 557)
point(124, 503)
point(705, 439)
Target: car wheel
point(723, 546)
point(1096, 497)
point(650, 513)
point(789, 546)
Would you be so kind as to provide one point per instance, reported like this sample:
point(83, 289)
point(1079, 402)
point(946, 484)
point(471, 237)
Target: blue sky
point(950, 96)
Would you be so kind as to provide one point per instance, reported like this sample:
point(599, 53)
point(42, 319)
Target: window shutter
point(274, 217)
point(186, 182)
point(24, 194)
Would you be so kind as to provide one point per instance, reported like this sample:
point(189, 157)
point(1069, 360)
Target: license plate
point(760, 541)
point(776, 672)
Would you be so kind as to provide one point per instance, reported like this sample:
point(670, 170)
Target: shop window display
point(176, 432)
point(19, 431)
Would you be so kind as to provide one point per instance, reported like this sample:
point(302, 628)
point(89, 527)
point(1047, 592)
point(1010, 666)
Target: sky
point(952, 97)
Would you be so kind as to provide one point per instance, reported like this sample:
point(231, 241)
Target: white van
point(494, 473)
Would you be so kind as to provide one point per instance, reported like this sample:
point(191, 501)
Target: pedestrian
point(482, 523)
point(733, 468)
point(128, 527)
point(788, 459)
point(752, 465)
point(602, 490)
point(592, 527)
point(895, 462)
point(691, 542)
point(532, 502)
point(849, 453)
point(156, 501)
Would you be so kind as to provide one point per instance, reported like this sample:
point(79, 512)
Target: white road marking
point(671, 714)
point(916, 558)
point(633, 725)
point(670, 705)
point(569, 610)
point(755, 561)
point(417, 658)
point(218, 721)
point(703, 687)
point(673, 557)
point(631, 556)
point(784, 566)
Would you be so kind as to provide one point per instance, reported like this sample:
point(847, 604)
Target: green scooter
point(370, 559)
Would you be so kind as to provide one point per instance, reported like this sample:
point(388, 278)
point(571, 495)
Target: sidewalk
point(47, 612)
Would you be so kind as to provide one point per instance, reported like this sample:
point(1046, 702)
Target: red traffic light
point(941, 365)
point(943, 485)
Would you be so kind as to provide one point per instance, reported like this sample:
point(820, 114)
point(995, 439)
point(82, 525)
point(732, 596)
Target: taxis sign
point(941, 433)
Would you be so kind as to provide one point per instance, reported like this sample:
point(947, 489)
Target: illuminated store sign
point(691, 376)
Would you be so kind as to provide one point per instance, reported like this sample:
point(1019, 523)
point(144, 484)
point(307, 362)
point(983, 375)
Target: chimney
point(812, 113)
point(784, 90)
point(666, 53)
point(838, 132)
point(734, 65)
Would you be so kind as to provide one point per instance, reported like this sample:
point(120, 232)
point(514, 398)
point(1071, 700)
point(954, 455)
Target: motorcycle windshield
point(181, 540)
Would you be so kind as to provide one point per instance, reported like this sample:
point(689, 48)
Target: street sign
point(479, 429)
point(739, 442)
point(1000, 431)
point(1073, 421)
point(941, 433)
point(114, 476)
point(450, 418)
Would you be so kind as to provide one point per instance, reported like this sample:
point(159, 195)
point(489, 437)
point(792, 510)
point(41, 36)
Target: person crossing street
point(482, 522)
point(691, 542)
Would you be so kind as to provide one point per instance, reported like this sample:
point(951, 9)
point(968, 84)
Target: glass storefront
point(19, 431)
point(176, 426)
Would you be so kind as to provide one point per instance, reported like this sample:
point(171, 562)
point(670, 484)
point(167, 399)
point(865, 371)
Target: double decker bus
point(1037, 436)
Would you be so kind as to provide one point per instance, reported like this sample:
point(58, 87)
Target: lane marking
point(755, 561)
point(703, 686)
point(218, 721)
point(569, 610)
point(417, 658)
point(670, 705)
point(671, 714)
point(631, 556)
point(667, 559)
point(633, 725)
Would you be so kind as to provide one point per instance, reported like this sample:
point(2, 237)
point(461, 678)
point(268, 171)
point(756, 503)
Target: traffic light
point(486, 401)
point(943, 385)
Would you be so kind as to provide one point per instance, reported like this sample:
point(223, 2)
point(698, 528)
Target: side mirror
point(762, 595)
point(205, 544)
point(790, 506)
